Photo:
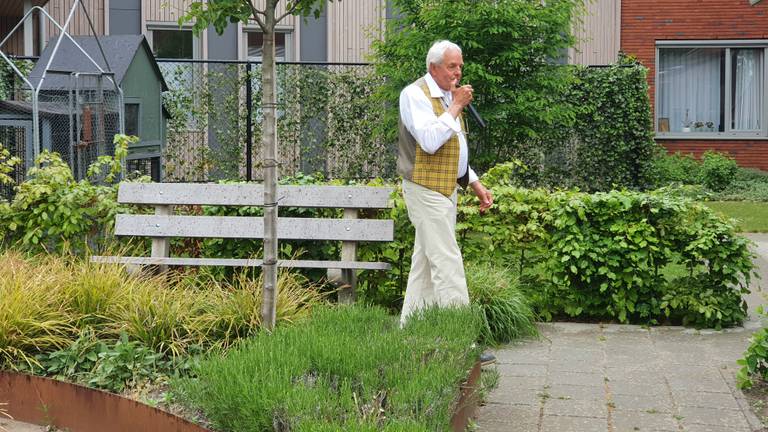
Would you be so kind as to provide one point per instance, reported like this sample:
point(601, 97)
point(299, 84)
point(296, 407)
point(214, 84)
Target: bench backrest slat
point(253, 227)
point(253, 195)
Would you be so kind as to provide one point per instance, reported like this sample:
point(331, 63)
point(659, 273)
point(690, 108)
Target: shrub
point(602, 256)
point(505, 310)
point(717, 170)
point(676, 168)
point(349, 368)
point(51, 211)
point(754, 364)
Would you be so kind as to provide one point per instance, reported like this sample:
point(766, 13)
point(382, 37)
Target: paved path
point(617, 378)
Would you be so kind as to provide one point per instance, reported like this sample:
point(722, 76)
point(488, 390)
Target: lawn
point(751, 216)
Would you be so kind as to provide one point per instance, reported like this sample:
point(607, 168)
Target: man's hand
point(484, 195)
point(462, 96)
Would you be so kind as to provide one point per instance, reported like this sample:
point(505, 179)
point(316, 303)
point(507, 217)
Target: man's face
point(448, 73)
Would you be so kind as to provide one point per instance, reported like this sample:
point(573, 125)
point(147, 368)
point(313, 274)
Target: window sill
point(709, 137)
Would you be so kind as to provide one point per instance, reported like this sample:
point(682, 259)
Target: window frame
point(197, 43)
point(135, 101)
point(727, 45)
point(250, 28)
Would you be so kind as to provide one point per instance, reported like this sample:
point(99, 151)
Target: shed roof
point(120, 51)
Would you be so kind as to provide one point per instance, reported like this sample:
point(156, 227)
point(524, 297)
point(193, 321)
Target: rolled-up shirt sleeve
point(472, 176)
point(429, 130)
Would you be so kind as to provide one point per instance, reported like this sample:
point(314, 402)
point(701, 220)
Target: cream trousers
point(437, 269)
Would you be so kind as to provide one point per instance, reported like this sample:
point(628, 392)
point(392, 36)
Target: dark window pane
point(256, 42)
point(172, 44)
point(132, 119)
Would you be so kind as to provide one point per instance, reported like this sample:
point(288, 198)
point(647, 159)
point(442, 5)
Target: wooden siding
point(599, 34)
point(14, 45)
point(170, 10)
point(59, 10)
point(352, 25)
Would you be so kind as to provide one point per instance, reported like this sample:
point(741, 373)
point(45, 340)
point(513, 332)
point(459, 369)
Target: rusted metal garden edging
point(76, 408)
point(73, 407)
point(468, 399)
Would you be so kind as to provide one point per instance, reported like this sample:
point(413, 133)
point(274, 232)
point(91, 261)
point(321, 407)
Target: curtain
point(689, 86)
point(747, 88)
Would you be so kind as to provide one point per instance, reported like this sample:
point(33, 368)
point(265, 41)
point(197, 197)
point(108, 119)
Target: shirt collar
point(434, 90)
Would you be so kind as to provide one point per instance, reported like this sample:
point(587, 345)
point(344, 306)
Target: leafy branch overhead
point(224, 12)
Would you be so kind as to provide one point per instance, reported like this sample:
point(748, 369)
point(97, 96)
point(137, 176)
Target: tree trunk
point(269, 143)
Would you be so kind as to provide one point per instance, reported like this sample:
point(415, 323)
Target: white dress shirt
point(431, 131)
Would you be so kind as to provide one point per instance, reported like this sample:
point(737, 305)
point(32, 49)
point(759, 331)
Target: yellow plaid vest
point(436, 171)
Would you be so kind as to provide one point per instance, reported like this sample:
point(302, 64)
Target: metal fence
point(325, 121)
point(78, 116)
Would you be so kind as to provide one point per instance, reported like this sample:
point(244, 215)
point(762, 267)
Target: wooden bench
point(164, 225)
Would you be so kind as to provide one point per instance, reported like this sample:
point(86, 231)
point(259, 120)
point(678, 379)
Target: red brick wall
point(643, 22)
point(748, 153)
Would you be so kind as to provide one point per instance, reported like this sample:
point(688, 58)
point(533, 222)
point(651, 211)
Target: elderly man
point(433, 160)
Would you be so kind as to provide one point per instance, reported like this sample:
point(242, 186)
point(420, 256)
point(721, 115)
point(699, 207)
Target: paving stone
point(536, 356)
point(706, 400)
point(565, 365)
point(644, 403)
point(713, 416)
point(504, 413)
point(714, 384)
point(630, 421)
point(17, 426)
point(634, 374)
point(711, 428)
point(573, 424)
point(578, 355)
point(515, 396)
point(489, 426)
point(522, 382)
point(521, 370)
point(576, 378)
point(638, 387)
point(576, 408)
point(567, 392)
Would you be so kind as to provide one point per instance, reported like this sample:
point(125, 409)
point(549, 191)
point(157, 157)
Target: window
point(254, 41)
point(132, 119)
point(711, 89)
point(174, 44)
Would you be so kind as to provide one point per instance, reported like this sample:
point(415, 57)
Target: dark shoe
point(487, 359)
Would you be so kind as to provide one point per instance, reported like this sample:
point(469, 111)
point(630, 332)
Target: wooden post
point(347, 293)
point(161, 246)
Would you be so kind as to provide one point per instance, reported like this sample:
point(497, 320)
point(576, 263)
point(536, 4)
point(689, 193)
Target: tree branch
point(255, 12)
point(289, 10)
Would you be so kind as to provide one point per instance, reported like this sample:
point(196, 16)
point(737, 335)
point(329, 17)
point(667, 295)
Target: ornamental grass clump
point(348, 368)
point(32, 317)
point(506, 312)
point(48, 301)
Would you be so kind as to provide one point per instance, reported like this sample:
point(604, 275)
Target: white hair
point(437, 51)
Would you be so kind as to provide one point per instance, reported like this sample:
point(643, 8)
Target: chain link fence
point(325, 121)
point(78, 114)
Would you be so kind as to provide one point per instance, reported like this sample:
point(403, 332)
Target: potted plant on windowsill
point(687, 123)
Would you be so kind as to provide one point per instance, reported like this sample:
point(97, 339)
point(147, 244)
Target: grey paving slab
point(626, 421)
point(16, 426)
point(615, 378)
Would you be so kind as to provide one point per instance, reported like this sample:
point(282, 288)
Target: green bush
point(754, 364)
point(53, 212)
point(348, 368)
point(505, 310)
point(717, 170)
point(676, 168)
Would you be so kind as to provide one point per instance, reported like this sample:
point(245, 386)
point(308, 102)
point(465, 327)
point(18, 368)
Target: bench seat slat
point(358, 265)
point(253, 195)
point(253, 227)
